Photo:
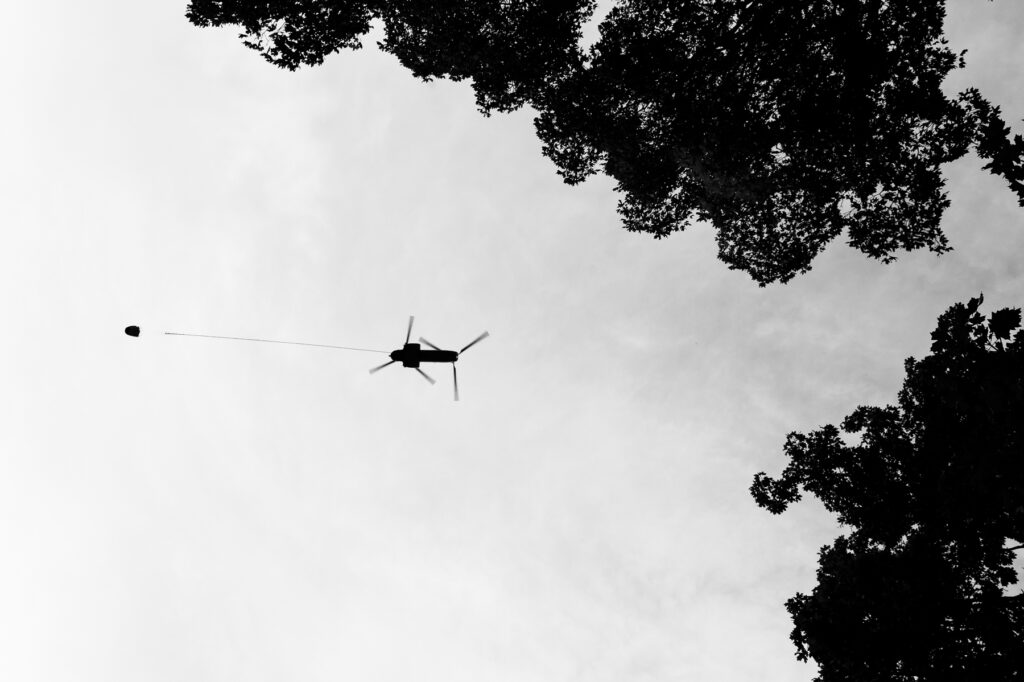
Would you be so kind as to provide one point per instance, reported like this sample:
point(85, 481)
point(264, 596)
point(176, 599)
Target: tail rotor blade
point(408, 332)
point(475, 341)
point(379, 368)
point(426, 376)
point(455, 379)
point(423, 340)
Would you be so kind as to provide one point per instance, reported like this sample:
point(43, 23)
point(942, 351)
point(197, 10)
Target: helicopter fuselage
point(411, 355)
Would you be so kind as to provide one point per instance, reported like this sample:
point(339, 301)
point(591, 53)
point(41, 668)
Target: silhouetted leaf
point(1004, 322)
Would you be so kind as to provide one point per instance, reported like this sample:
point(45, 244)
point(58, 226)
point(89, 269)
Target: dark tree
point(782, 123)
point(512, 50)
point(933, 495)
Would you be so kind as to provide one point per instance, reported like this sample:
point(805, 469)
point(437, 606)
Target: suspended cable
point(289, 343)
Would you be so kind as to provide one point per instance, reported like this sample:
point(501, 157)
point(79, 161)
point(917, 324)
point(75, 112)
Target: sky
point(175, 508)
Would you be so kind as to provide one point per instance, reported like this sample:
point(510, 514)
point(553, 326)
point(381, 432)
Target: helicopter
point(412, 354)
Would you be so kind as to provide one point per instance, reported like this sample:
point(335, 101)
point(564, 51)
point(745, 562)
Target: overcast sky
point(190, 509)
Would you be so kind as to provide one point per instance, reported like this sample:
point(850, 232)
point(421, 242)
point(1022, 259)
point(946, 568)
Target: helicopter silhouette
point(411, 355)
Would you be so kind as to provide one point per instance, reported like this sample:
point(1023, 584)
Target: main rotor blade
point(377, 369)
point(408, 332)
point(475, 341)
point(425, 375)
point(423, 340)
point(455, 378)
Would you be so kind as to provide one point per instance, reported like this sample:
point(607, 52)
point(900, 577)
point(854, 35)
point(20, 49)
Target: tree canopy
point(512, 51)
point(933, 495)
point(784, 124)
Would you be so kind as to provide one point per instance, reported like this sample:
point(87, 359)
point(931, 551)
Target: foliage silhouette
point(783, 124)
point(512, 51)
point(932, 493)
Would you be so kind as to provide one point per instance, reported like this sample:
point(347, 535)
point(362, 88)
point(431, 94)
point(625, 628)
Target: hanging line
point(289, 343)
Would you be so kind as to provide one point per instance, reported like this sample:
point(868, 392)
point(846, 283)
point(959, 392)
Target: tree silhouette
point(512, 50)
point(784, 124)
point(933, 495)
